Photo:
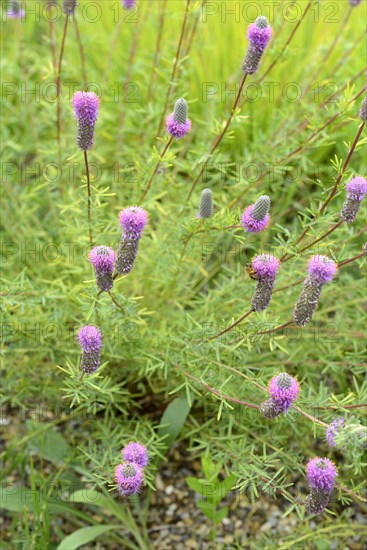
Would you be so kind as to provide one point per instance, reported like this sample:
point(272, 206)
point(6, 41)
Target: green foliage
point(162, 381)
point(212, 490)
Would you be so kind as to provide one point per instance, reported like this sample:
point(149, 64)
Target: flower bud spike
point(206, 204)
point(258, 34)
point(103, 260)
point(265, 267)
point(356, 190)
point(321, 270)
point(90, 340)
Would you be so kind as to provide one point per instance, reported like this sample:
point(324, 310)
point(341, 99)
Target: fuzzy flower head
point(354, 3)
point(86, 111)
point(333, 430)
point(133, 220)
point(259, 33)
point(321, 474)
point(102, 258)
point(129, 478)
point(14, 11)
point(357, 188)
point(90, 338)
point(265, 266)
point(256, 216)
point(177, 123)
point(322, 269)
point(136, 453)
point(284, 390)
point(128, 4)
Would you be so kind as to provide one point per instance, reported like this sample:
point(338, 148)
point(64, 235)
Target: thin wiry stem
point(89, 198)
point(338, 179)
point(337, 37)
point(242, 318)
point(294, 152)
point(215, 392)
point(220, 137)
point(194, 29)
point(351, 259)
point(279, 56)
point(149, 184)
point(58, 94)
point(81, 51)
point(134, 45)
point(116, 302)
point(150, 95)
point(173, 74)
point(287, 257)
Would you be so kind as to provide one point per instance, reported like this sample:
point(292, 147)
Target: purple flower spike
point(14, 11)
point(265, 267)
point(283, 390)
point(103, 260)
point(135, 452)
point(128, 4)
point(90, 340)
point(333, 429)
point(129, 478)
point(258, 34)
point(86, 111)
point(356, 190)
point(321, 474)
point(354, 3)
point(177, 123)
point(250, 224)
point(133, 220)
point(322, 269)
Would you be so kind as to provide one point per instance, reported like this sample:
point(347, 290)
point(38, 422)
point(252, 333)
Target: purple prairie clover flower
point(316, 502)
point(265, 267)
point(354, 3)
point(133, 220)
point(258, 34)
point(321, 474)
point(103, 260)
point(177, 123)
point(128, 4)
point(90, 340)
point(136, 453)
point(333, 430)
point(363, 110)
point(68, 7)
point(128, 477)
point(284, 390)
point(356, 190)
point(256, 216)
point(86, 111)
point(15, 11)
point(321, 270)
